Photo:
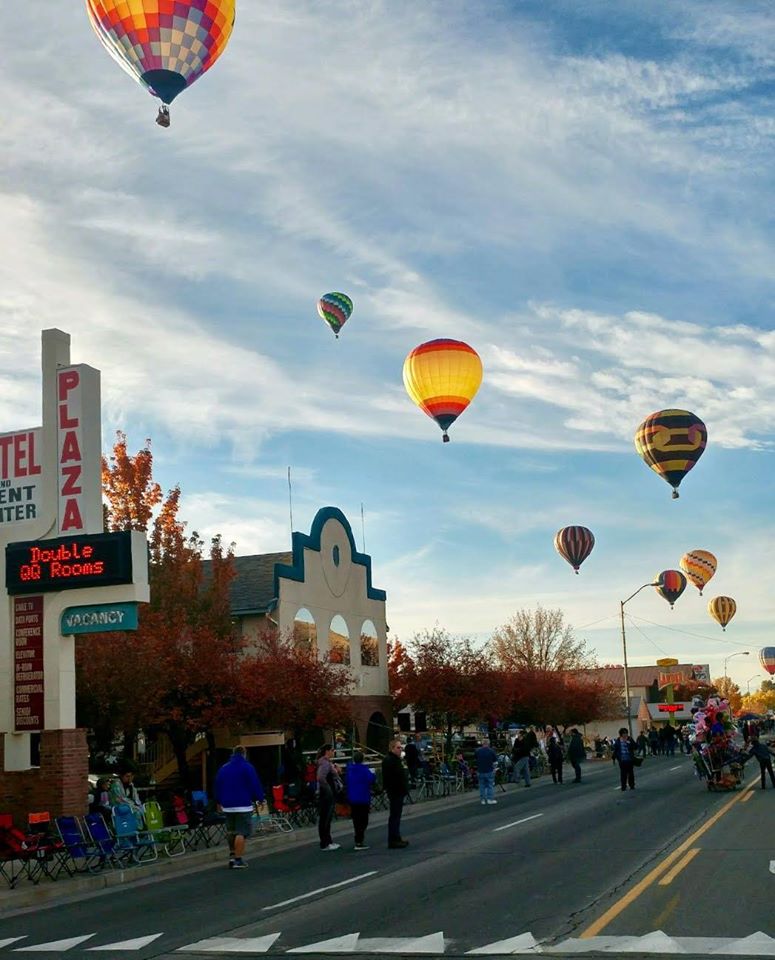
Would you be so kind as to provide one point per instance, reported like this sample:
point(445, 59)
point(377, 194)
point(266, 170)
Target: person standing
point(520, 757)
point(576, 753)
point(237, 791)
point(395, 785)
point(327, 774)
point(555, 755)
point(486, 758)
point(624, 752)
point(359, 780)
point(764, 755)
point(412, 757)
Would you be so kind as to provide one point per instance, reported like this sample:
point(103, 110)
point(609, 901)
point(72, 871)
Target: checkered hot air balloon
point(163, 44)
point(722, 609)
point(671, 442)
point(699, 566)
point(767, 659)
point(574, 544)
point(442, 377)
point(670, 584)
point(335, 309)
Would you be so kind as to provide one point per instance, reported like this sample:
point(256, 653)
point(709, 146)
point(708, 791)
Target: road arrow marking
point(524, 943)
point(516, 823)
point(55, 945)
point(137, 944)
point(345, 944)
point(232, 944)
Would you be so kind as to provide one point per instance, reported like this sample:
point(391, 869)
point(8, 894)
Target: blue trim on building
point(295, 571)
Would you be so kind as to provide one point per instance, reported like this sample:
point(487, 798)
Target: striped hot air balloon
point(574, 544)
point(166, 45)
point(671, 442)
point(722, 609)
point(335, 309)
point(670, 584)
point(767, 659)
point(442, 377)
point(699, 566)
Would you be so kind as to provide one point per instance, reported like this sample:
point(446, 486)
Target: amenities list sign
point(28, 663)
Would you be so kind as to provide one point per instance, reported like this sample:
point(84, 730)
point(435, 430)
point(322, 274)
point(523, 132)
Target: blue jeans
point(486, 785)
point(522, 769)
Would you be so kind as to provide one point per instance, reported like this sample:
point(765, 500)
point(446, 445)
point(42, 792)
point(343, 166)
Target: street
point(565, 869)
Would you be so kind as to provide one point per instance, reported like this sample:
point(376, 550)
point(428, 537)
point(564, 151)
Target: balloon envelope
point(165, 46)
point(722, 609)
point(574, 544)
point(671, 442)
point(670, 584)
point(699, 566)
point(335, 309)
point(767, 659)
point(442, 377)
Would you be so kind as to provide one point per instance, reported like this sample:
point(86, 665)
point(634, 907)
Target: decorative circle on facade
point(333, 543)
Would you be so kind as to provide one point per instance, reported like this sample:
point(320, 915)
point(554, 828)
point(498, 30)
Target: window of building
point(369, 645)
point(339, 640)
point(305, 634)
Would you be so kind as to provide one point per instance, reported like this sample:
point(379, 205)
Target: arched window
point(305, 634)
point(339, 640)
point(369, 645)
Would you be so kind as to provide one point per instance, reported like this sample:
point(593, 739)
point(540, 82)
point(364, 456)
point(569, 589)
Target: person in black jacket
point(764, 755)
point(624, 752)
point(395, 785)
point(412, 757)
point(576, 753)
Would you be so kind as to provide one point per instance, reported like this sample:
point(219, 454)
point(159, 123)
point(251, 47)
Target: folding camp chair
point(210, 825)
point(104, 840)
point(140, 845)
point(18, 855)
point(85, 856)
point(51, 852)
point(170, 838)
point(284, 808)
point(265, 822)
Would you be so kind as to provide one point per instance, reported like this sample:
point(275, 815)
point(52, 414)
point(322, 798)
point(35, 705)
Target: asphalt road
point(569, 868)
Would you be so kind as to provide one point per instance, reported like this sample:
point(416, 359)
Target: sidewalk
point(28, 897)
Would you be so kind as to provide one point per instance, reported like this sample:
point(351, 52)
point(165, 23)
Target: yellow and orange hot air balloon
point(722, 609)
point(164, 44)
point(442, 377)
point(699, 566)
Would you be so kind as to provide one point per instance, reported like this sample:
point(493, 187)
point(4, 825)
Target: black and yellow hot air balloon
point(574, 544)
point(671, 442)
point(699, 567)
point(670, 584)
point(722, 609)
point(442, 377)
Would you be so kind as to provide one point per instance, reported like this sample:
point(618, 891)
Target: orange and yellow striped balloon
point(442, 377)
point(699, 566)
point(164, 44)
point(722, 609)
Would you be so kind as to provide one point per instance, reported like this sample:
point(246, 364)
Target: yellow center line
point(672, 874)
point(602, 921)
point(748, 796)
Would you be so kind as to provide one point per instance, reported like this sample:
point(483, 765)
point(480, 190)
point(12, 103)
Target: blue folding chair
point(139, 844)
point(86, 857)
point(104, 840)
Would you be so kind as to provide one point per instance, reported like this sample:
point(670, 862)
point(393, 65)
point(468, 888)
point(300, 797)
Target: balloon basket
point(163, 116)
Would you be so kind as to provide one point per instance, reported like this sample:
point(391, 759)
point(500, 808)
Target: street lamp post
point(624, 651)
point(740, 653)
point(748, 683)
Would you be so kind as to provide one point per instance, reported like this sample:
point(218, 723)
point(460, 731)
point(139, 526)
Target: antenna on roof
point(290, 500)
point(363, 529)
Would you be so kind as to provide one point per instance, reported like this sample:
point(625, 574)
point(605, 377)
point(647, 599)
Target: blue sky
point(582, 191)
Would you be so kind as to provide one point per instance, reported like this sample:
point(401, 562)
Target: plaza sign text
point(99, 618)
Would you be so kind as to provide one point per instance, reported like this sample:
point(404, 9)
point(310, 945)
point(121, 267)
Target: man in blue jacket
point(237, 791)
point(358, 781)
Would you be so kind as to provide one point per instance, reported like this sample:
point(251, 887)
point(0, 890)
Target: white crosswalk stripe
point(353, 943)
point(137, 944)
point(232, 944)
point(57, 946)
point(4, 943)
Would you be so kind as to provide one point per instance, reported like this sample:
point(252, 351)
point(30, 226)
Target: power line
point(686, 633)
point(645, 636)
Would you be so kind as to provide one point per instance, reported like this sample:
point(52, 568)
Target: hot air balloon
point(164, 45)
point(442, 377)
point(574, 544)
point(722, 609)
point(671, 442)
point(335, 309)
point(670, 584)
point(699, 566)
point(767, 659)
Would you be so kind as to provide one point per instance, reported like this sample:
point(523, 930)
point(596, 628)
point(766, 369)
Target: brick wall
point(58, 785)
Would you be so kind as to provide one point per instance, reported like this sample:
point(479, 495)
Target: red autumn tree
point(559, 698)
point(400, 667)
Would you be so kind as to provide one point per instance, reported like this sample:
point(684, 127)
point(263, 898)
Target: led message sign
point(670, 707)
point(68, 563)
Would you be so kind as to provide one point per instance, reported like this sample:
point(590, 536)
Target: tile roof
point(638, 676)
point(252, 589)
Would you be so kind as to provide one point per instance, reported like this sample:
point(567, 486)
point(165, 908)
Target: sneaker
point(397, 844)
point(492, 801)
point(361, 846)
point(238, 864)
point(331, 846)
point(483, 802)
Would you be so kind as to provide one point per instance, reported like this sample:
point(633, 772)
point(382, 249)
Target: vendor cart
point(720, 765)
